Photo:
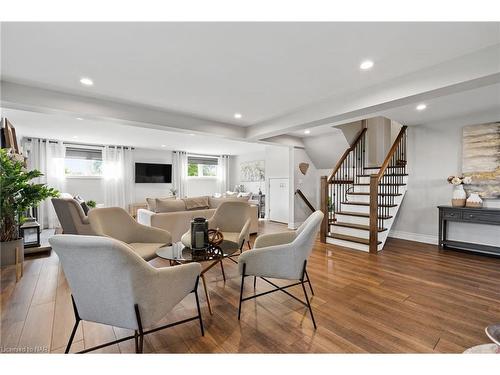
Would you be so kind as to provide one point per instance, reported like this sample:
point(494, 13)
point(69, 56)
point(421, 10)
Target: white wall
point(277, 165)
point(434, 153)
point(326, 149)
point(234, 171)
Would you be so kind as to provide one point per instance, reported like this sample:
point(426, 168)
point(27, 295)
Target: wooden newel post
point(373, 213)
point(324, 208)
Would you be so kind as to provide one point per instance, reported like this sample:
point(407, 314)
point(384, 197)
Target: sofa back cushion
point(151, 202)
point(170, 205)
point(196, 203)
point(215, 202)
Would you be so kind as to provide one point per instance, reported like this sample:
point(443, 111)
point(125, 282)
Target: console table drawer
point(452, 214)
point(481, 217)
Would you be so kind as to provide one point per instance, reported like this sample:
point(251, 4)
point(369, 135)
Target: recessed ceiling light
point(238, 115)
point(191, 134)
point(307, 131)
point(163, 145)
point(79, 118)
point(421, 107)
point(86, 81)
point(74, 137)
point(365, 65)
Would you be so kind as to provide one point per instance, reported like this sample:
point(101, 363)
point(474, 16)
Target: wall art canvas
point(481, 159)
point(252, 171)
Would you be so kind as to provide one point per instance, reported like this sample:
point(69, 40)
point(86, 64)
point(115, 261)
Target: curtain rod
point(77, 144)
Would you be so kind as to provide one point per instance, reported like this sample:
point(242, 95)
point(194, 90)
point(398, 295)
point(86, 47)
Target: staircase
point(362, 201)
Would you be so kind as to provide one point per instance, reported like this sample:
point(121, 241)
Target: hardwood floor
point(409, 298)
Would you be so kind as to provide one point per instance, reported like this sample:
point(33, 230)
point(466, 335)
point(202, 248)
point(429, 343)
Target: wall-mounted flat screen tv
point(153, 173)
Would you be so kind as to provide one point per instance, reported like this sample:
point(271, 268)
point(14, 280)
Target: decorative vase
point(474, 201)
point(459, 196)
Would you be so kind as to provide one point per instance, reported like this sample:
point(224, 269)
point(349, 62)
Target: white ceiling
point(69, 129)
point(213, 70)
point(451, 106)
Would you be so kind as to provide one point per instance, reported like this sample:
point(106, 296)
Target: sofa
point(175, 215)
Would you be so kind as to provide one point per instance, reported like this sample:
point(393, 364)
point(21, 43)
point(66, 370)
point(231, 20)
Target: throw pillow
point(170, 205)
point(82, 203)
point(151, 202)
point(196, 203)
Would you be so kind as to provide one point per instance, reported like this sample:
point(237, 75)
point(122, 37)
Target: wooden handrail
point(374, 190)
point(306, 201)
point(346, 153)
point(390, 154)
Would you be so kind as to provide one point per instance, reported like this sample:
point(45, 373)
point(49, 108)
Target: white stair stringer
point(363, 220)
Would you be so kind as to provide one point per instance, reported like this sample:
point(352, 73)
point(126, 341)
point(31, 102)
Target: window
point(202, 166)
point(83, 162)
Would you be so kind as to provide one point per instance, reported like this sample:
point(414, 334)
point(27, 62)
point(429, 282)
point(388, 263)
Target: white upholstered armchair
point(111, 284)
point(116, 223)
point(282, 256)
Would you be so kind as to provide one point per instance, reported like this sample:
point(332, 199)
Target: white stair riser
point(358, 198)
point(356, 208)
point(371, 170)
point(350, 231)
point(351, 245)
point(353, 219)
point(382, 236)
point(385, 179)
point(366, 189)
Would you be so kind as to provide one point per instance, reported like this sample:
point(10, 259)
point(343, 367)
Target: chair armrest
point(144, 216)
point(275, 261)
point(273, 239)
point(145, 234)
point(245, 233)
point(164, 289)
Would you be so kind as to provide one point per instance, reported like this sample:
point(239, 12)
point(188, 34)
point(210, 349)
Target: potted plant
point(17, 195)
point(91, 204)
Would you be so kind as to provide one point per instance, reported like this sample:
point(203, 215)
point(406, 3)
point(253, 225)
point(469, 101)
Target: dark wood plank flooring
point(410, 298)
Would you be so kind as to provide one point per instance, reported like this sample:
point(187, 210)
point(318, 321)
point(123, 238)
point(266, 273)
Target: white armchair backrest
point(306, 235)
point(113, 222)
point(231, 216)
point(107, 278)
point(104, 276)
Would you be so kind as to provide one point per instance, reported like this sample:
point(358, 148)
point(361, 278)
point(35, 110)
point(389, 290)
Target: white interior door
point(278, 199)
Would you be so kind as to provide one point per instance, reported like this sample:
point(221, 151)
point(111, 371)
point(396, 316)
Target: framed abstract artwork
point(252, 171)
point(481, 159)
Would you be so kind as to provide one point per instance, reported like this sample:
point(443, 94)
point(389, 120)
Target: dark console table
point(467, 215)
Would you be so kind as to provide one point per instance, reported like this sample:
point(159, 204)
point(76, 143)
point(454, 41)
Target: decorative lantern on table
point(30, 232)
point(199, 233)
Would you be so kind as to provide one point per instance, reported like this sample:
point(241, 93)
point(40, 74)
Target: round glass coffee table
point(177, 253)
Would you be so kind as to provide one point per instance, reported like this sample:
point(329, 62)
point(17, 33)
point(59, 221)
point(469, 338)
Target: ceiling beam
point(35, 99)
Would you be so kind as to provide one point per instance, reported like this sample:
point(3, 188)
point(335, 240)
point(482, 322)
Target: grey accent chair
point(111, 284)
point(116, 223)
point(282, 256)
point(232, 218)
point(71, 216)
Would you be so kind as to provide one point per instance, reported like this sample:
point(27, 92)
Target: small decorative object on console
point(459, 196)
point(199, 233)
point(474, 200)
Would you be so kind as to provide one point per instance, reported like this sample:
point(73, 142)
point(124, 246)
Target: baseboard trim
point(425, 238)
point(294, 225)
